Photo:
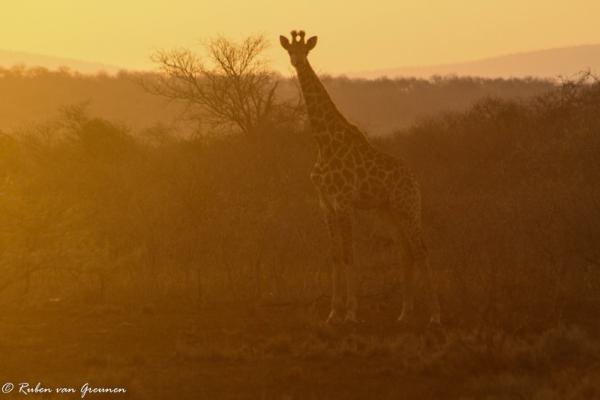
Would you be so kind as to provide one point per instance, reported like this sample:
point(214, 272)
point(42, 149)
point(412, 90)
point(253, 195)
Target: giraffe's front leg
point(336, 268)
point(345, 227)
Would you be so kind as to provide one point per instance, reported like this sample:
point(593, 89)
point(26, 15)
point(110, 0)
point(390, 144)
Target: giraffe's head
point(298, 49)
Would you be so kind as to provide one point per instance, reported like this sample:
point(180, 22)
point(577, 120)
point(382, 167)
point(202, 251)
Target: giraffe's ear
point(311, 43)
point(285, 43)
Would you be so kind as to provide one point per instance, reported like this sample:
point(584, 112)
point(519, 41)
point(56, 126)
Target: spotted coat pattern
point(351, 174)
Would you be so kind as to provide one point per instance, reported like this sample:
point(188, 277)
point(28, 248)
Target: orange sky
point(352, 35)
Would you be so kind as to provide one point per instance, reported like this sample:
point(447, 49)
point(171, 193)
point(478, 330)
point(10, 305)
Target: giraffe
point(349, 175)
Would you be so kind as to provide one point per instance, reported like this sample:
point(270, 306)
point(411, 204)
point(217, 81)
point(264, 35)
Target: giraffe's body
point(351, 174)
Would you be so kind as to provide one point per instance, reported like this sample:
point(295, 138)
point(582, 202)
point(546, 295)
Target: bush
point(511, 193)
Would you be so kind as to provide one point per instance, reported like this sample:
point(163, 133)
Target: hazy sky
point(353, 35)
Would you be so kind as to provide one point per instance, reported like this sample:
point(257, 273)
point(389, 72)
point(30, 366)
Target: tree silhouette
point(229, 85)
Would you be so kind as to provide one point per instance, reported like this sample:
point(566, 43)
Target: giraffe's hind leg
point(345, 227)
point(407, 275)
point(422, 262)
point(412, 236)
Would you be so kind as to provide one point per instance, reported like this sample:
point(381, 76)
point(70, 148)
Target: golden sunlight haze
point(353, 37)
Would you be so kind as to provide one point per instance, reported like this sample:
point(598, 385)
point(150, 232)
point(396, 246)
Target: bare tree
point(230, 84)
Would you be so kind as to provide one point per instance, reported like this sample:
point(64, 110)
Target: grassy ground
point(159, 352)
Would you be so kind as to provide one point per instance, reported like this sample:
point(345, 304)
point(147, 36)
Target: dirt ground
point(267, 352)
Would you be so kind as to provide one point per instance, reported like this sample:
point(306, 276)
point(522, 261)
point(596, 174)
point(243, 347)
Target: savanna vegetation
point(197, 266)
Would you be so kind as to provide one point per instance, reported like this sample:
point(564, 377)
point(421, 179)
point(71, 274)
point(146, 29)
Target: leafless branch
point(234, 87)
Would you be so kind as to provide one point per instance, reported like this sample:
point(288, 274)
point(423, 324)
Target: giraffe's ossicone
point(351, 174)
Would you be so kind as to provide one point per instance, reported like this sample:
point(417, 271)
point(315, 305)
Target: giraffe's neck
point(322, 112)
point(329, 127)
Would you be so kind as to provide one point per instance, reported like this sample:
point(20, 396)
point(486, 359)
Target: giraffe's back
point(363, 177)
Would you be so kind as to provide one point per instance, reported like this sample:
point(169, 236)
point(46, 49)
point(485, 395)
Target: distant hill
point(9, 59)
point(549, 63)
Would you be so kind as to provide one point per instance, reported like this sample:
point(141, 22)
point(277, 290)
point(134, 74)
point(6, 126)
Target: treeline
point(511, 190)
point(29, 96)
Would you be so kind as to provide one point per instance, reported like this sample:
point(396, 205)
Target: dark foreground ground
point(269, 352)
